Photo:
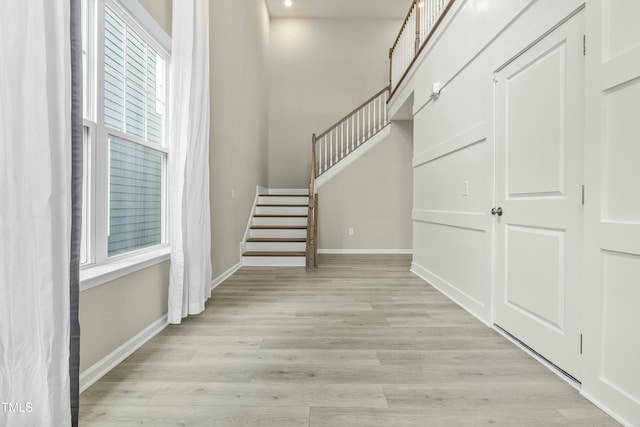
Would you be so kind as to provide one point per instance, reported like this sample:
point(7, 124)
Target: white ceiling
point(340, 9)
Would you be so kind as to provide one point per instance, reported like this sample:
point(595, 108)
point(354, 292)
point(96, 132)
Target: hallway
point(361, 341)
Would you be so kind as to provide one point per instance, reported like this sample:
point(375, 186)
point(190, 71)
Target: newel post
point(311, 214)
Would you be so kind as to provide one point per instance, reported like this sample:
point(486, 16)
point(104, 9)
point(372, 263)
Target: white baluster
point(360, 127)
point(337, 149)
point(324, 144)
point(364, 129)
point(373, 116)
point(369, 120)
point(420, 20)
point(323, 156)
point(346, 136)
point(384, 106)
point(365, 119)
point(356, 119)
point(318, 157)
point(434, 13)
point(353, 131)
point(330, 149)
point(341, 141)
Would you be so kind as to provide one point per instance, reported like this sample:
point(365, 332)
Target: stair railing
point(312, 213)
point(350, 132)
point(336, 143)
point(418, 27)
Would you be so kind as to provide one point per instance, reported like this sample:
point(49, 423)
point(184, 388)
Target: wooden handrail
point(355, 110)
point(351, 131)
point(419, 44)
point(404, 24)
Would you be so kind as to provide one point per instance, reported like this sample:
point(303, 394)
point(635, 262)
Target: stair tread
point(280, 206)
point(284, 195)
point(279, 216)
point(278, 227)
point(273, 253)
point(277, 239)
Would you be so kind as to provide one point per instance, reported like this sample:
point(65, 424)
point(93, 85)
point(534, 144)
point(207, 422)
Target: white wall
point(239, 121)
point(612, 238)
point(113, 313)
point(373, 196)
point(453, 235)
point(320, 70)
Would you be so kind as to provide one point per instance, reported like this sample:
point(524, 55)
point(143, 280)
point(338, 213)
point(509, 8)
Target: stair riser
point(288, 192)
point(281, 210)
point(280, 221)
point(276, 246)
point(304, 201)
point(278, 233)
point(268, 261)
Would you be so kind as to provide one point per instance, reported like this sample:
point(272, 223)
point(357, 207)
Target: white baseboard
point(92, 374)
point(449, 291)
point(606, 409)
point(366, 251)
point(224, 276)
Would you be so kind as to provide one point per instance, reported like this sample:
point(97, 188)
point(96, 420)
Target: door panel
point(534, 132)
point(538, 123)
point(535, 273)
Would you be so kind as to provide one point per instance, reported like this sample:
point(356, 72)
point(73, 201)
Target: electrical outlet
point(350, 231)
point(233, 193)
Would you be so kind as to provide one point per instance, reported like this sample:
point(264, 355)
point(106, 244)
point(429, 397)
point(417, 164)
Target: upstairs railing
point(370, 117)
point(350, 132)
point(423, 19)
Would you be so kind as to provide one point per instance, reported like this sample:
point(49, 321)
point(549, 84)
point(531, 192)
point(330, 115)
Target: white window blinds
point(134, 83)
point(135, 194)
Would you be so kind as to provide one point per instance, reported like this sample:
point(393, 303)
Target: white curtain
point(35, 212)
point(190, 276)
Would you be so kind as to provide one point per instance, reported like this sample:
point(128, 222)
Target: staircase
point(283, 230)
point(277, 234)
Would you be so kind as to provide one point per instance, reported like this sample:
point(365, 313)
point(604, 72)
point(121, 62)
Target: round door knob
point(496, 211)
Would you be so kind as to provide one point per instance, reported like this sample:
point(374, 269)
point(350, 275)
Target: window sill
point(96, 275)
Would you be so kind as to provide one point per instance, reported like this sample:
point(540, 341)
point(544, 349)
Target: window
point(125, 62)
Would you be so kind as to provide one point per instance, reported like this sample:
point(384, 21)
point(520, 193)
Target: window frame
point(98, 267)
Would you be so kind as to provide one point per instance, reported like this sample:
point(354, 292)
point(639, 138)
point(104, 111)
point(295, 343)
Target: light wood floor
point(358, 342)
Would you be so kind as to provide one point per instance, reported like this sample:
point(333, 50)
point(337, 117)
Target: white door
point(538, 125)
